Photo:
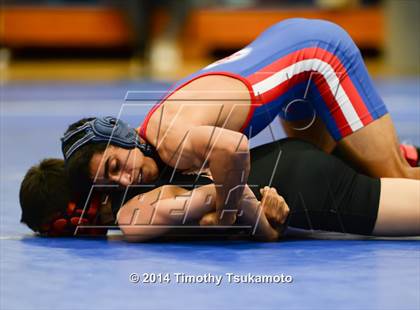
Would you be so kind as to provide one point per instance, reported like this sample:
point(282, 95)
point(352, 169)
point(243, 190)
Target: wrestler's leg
point(374, 149)
point(324, 193)
point(313, 131)
point(344, 97)
point(399, 208)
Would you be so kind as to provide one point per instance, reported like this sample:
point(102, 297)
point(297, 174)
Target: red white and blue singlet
point(296, 68)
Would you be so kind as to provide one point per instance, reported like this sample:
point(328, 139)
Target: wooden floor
point(211, 28)
point(82, 27)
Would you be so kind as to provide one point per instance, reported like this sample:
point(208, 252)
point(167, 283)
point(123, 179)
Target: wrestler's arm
point(141, 220)
point(153, 214)
point(266, 219)
point(255, 213)
point(224, 152)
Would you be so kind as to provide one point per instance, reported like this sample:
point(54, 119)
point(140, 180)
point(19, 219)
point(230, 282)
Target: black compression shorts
point(322, 192)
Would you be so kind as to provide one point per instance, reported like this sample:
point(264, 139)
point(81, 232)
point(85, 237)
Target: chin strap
point(72, 221)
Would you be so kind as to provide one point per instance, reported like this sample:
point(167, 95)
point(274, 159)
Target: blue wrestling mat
point(306, 271)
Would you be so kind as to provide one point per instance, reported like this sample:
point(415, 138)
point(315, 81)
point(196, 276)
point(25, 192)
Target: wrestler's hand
point(210, 219)
point(275, 208)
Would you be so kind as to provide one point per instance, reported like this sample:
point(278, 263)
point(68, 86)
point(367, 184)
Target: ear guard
point(104, 129)
point(75, 221)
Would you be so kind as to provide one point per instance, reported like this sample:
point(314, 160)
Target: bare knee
point(399, 208)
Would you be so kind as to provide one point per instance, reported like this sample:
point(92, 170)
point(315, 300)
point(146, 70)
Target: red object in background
point(410, 154)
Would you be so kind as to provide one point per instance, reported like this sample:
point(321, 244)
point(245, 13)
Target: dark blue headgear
point(103, 129)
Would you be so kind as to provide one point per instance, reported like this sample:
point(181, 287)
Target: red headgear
point(76, 221)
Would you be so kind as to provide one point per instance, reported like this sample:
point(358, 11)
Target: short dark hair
point(78, 164)
point(44, 192)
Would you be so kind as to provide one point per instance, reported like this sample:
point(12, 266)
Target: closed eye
point(114, 166)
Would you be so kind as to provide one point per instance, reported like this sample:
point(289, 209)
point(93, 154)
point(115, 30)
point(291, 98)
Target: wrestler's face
point(121, 166)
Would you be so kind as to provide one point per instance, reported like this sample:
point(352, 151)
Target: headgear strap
point(104, 129)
